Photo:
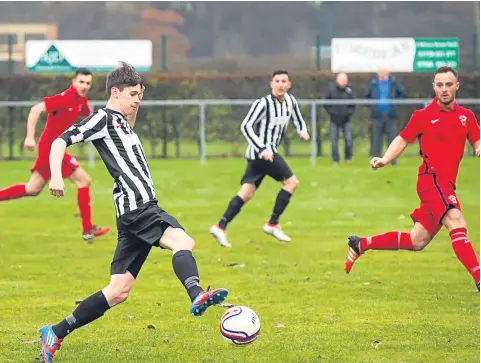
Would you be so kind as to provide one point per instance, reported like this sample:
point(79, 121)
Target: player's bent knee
point(33, 190)
point(454, 219)
point(420, 240)
point(116, 295)
point(247, 192)
point(186, 243)
point(84, 182)
point(291, 184)
point(419, 245)
point(119, 296)
point(175, 239)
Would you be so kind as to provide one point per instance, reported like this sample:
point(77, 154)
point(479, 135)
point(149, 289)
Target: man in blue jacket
point(384, 116)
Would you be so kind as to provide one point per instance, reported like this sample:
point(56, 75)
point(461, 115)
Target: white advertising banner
point(64, 56)
point(395, 54)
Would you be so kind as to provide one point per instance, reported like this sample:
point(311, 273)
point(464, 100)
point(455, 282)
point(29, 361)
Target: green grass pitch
point(393, 307)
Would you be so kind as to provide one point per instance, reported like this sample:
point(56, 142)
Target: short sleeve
point(53, 103)
point(473, 129)
point(92, 128)
point(413, 128)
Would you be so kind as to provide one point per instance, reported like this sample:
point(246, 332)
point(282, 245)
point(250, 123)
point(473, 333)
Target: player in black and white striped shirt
point(264, 127)
point(141, 223)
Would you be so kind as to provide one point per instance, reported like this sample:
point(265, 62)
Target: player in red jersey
point(442, 129)
point(63, 110)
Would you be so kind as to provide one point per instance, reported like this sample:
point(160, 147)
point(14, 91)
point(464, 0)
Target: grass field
point(394, 306)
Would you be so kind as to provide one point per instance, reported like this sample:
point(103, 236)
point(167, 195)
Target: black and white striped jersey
point(267, 121)
point(122, 153)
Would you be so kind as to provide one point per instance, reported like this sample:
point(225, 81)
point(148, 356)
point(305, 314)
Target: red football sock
point(465, 252)
point(83, 199)
point(13, 192)
point(387, 241)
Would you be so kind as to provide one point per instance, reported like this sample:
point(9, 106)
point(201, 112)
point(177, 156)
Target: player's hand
point(267, 155)
point(304, 135)
point(56, 187)
point(29, 143)
point(477, 152)
point(377, 163)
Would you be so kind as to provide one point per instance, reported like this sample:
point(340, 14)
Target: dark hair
point(279, 71)
point(82, 71)
point(121, 77)
point(446, 69)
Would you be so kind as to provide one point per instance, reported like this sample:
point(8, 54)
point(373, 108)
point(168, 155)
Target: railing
point(203, 105)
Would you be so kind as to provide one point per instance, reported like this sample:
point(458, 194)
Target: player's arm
point(32, 120)
point(298, 121)
point(473, 133)
point(90, 129)
point(398, 145)
point(395, 150)
point(256, 113)
point(49, 104)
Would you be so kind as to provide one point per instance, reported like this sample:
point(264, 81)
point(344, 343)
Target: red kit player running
point(442, 129)
point(63, 110)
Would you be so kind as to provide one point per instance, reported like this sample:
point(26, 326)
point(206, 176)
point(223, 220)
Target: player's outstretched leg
point(185, 268)
point(272, 227)
point(89, 230)
point(353, 252)
point(13, 192)
point(387, 241)
point(90, 309)
point(33, 188)
point(218, 230)
point(49, 342)
point(456, 224)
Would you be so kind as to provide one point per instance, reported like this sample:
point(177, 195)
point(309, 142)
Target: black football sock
point(89, 310)
point(282, 201)
point(233, 209)
point(186, 270)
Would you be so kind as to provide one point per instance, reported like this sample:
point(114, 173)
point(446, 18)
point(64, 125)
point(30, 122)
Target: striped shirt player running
point(264, 127)
point(141, 223)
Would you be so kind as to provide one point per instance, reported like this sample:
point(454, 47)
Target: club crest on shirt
point(463, 119)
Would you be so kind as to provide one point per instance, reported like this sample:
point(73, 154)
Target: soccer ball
point(240, 325)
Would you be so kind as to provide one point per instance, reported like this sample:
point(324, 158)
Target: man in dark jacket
point(384, 116)
point(340, 117)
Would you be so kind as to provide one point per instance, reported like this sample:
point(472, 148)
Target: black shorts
point(257, 169)
point(139, 230)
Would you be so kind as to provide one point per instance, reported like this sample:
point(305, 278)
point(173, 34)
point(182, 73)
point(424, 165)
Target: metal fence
point(210, 128)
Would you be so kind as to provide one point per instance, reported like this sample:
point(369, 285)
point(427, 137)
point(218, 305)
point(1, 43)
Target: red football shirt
point(63, 110)
point(442, 136)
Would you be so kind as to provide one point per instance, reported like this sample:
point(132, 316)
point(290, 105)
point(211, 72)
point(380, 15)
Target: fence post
point(10, 54)
point(313, 133)
point(202, 133)
point(11, 132)
point(318, 52)
point(164, 53)
point(165, 133)
point(475, 52)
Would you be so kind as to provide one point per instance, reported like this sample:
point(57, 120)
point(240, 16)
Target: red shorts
point(437, 196)
point(42, 165)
